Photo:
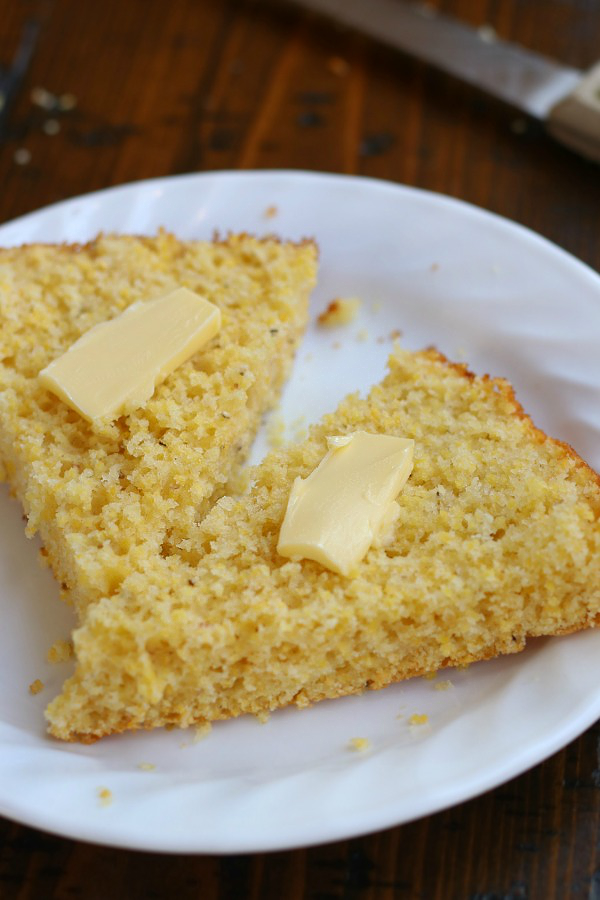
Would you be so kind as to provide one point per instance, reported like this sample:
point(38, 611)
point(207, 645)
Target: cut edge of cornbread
point(106, 497)
point(497, 542)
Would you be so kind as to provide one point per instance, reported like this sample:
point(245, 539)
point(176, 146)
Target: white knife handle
point(575, 121)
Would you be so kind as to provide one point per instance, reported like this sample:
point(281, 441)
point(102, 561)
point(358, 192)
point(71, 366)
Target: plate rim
point(306, 174)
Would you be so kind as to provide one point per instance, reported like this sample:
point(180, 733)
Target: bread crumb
point(105, 796)
point(263, 717)
point(60, 651)
point(359, 744)
point(299, 429)
point(430, 676)
point(417, 719)
point(36, 687)
point(336, 345)
point(362, 335)
point(276, 432)
point(340, 311)
point(376, 306)
point(43, 553)
point(22, 156)
point(202, 731)
point(51, 127)
point(395, 334)
point(270, 212)
point(39, 96)
point(434, 267)
point(442, 685)
point(67, 102)
point(146, 767)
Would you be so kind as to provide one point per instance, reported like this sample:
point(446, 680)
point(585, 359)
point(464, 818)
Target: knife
point(566, 100)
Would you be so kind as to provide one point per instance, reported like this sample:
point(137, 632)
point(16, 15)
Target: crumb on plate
point(418, 719)
point(359, 744)
point(105, 796)
point(340, 311)
point(60, 651)
point(276, 431)
point(202, 731)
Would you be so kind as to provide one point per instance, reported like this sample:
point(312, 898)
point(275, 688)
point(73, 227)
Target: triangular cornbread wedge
point(498, 540)
point(108, 500)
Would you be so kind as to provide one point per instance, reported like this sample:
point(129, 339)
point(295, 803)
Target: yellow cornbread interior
point(118, 498)
point(498, 540)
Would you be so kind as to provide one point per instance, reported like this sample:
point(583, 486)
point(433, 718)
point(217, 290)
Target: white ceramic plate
point(443, 273)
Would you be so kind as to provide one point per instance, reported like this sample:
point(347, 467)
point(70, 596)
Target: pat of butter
point(335, 514)
point(116, 365)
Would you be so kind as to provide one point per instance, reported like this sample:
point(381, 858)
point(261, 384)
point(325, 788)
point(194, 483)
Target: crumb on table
point(36, 687)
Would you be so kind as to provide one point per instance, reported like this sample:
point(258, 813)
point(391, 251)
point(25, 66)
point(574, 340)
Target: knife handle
point(575, 121)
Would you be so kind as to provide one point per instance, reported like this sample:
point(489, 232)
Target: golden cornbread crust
point(109, 499)
point(498, 541)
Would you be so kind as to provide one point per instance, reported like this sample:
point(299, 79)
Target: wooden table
point(127, 89)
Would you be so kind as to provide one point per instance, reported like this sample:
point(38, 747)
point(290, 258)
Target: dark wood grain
point(194, 85)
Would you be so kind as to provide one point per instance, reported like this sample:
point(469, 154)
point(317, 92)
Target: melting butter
point(345, 505)
point(116, 365)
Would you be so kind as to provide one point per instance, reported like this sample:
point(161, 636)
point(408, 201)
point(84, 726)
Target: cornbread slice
point(108, 500)
point(498, 540)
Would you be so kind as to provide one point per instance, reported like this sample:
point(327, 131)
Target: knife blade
point(565, 98)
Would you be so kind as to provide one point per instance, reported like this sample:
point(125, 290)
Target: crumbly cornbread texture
point(498, 540)
point(112, 499)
